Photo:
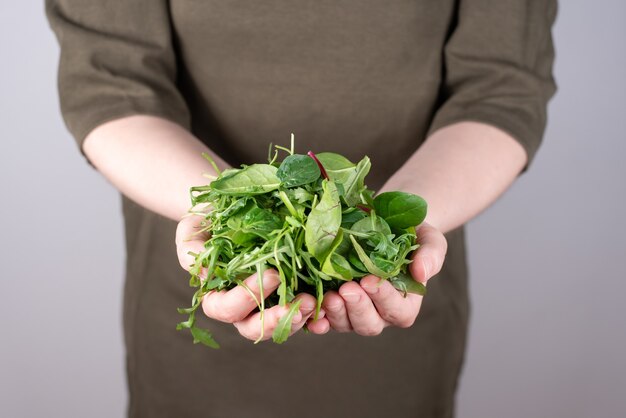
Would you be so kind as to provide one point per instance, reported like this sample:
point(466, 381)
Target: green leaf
point(297, 170)
point(251, 180)
point(355, 184)
point(344, 246)
point(338, 167)
point(189, 323)
point(233, 207)
point(400, 210)
point(354, 259)
point(407, 284)
point(236, 231)
point(250, 223)
point(367, 262)
point(300, 195)
point(352, 215)
point(204, 337)
point(283, 328)
point(323, 222)
point(383, 263)
point(338, 267)
point(319, 292)
point(371, 224)
point(367, 196)
point(335, 265)
point(261, 222)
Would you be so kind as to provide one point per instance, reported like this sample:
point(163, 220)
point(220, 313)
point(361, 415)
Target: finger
point(190, 239)
point(363, 316)
point(321, 326)
point(336, 313)
point(391, 305)
point(428, 258)
point(237, 303)
point(260, 326)
point(307, 309)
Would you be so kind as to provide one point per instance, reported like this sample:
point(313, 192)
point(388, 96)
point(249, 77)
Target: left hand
point(373, 304)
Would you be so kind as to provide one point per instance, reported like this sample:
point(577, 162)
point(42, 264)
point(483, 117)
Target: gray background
point(548, 261)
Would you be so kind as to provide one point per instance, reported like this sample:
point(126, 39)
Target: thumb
point(429, 257)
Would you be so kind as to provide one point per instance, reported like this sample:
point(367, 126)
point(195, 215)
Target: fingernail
point(296, 318)
point(305, 310)
point(335, 307)
point(351, 297)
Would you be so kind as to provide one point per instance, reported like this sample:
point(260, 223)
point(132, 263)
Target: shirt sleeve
point(117, 59)
point(498, 68)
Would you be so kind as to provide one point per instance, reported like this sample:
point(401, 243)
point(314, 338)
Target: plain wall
point(548, 260)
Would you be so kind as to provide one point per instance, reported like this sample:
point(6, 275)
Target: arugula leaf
point(355, 261)
point(203, 336)
point(407, 284)
point(283, 328)
point(367, 262)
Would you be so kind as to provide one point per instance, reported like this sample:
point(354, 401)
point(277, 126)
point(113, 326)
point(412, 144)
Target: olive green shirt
point(355, 77)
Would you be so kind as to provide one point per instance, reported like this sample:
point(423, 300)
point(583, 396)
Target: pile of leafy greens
point(309, 217)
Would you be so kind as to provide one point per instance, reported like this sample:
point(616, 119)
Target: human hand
point(237, 305)
point(371, 305)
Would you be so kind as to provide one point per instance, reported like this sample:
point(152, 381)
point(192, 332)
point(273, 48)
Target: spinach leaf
point(350, 216)
point(297, 170)
point(371, 224)
point(400, 210)
point(251, 180)
point(338, 167)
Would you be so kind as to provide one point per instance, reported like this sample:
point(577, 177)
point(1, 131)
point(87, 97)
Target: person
point(448, 98)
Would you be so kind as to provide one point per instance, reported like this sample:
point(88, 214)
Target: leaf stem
point(292, 210)
point(212, 162)
point(319, 164)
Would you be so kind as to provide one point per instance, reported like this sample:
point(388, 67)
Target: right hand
point(237, 306)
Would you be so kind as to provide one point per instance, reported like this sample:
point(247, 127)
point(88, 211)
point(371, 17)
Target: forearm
point(151, 160)
point(460, 170)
